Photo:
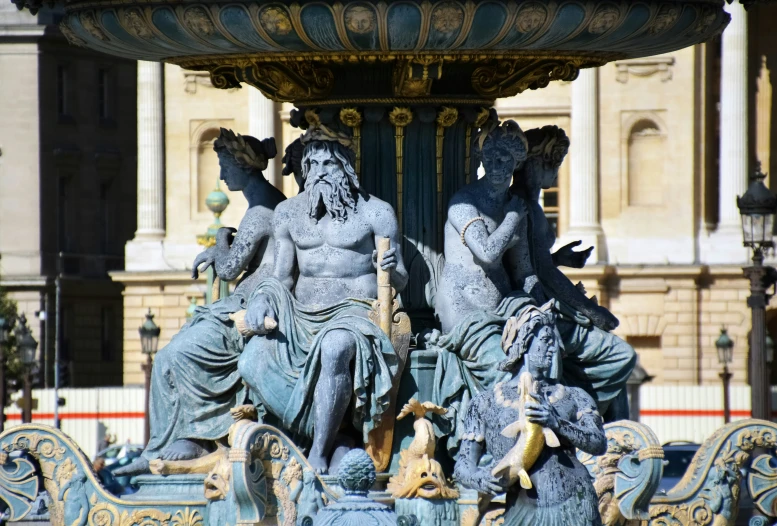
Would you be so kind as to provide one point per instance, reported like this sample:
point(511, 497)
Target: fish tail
point(525, 480)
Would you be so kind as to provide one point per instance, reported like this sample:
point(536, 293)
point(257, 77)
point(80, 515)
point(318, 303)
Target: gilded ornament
point(360, 19)
point(666, 17)
point(401, 117)
point(482, 117)
point(447, 116)
point(531, 16)
point(90, 24)
point(186, 517)
point(275, 21)
point(198, 21)
point(350, 117)
point(604, 19)
point(70, 35)
point(706, 17)
point(447, 17)
point(135, 24)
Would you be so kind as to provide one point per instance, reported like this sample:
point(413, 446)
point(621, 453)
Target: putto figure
point(325, 358)
point(195, 380)
point(530, 426)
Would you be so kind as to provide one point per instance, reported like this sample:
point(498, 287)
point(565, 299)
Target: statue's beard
point(333, 194)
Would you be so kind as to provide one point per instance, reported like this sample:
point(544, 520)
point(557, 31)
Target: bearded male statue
point(324, 359)
point(195, 380)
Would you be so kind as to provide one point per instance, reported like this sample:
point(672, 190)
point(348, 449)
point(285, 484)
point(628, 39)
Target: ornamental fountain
point(407, 87)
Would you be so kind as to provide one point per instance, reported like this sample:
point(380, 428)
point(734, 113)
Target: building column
point(725, 244)
point(584, 169)
point(733, 119)
point(261, 124)
point(145, 251)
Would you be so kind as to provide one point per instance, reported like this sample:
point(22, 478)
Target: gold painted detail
point(275, 20)
point(531, 16)
point(413, 77)
point(352, 118)
point(282, 82)
point(106, 514)
point(359, 18)
point(447, 17)
point(467, 154)
point(400, 117)
point(90, 24)
point(380, 439)
point(197, 20)
point(136, 24)
point(186, 517)
point(420, 475)
point(666, 18)
point(446, 118)
point(508, 78)
point(604, 19)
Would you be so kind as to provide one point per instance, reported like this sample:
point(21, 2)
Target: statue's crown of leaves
point(319, 132)
point(239, 148)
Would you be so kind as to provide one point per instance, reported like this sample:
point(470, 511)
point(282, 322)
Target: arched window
point(207, 167)
point(646, 154)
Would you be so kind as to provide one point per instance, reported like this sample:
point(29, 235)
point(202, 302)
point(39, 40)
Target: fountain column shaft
point(261, 124)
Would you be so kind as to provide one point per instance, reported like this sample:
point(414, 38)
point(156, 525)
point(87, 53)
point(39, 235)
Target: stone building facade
point(660, 148)
point(67, 185)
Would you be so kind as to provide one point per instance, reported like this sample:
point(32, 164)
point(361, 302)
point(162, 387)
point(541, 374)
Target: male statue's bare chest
point(351, 234)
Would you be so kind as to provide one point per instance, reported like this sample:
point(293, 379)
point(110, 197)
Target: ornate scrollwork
point(18, 486)
point(413, 76)
point(263, 484)
point(627, 475)
point(506, 78)
point(709, 491)
point(282, 82)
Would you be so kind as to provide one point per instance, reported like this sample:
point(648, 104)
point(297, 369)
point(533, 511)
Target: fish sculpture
point(533, 438)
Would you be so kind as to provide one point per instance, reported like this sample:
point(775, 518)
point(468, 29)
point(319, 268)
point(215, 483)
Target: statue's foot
point(343, 445)
point(183, 449)
point(319, 464)
point(244, 412)
point(138, 467)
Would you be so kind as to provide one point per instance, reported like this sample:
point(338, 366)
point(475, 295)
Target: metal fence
point(689, 413)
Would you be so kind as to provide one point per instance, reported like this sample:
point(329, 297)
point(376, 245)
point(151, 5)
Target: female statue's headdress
point(248, 151)
point(550, 143)
point(518, 335)
point(507, 134)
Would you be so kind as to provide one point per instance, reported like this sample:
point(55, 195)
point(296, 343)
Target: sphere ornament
point(308, 50)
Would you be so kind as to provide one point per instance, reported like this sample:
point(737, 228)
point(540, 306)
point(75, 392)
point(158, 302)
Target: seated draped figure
point(310, 354)
point(321, 358)
point(498, 262)
point(195, 380)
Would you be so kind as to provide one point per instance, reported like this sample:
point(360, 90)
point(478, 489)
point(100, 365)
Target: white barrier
point(88, 414)
point(689, 412)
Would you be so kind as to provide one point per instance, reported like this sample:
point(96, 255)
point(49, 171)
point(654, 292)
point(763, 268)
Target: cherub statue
point(544, 484)
point(195, 380)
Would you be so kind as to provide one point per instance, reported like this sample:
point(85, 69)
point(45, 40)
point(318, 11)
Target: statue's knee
point(337, 349)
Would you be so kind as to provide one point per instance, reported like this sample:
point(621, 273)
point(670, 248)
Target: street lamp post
point(27, 347)
point(725, 354)
point(758, 207)
point(149, 339)
point(4, 325)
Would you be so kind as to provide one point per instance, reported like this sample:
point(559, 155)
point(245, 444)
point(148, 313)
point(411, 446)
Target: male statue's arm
point(487, 248)
point(386, 225)
point(285, 251)
point(259, 308)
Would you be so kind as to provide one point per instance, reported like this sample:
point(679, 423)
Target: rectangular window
point(550, 205)
point(63, 109)
point(104, 93)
